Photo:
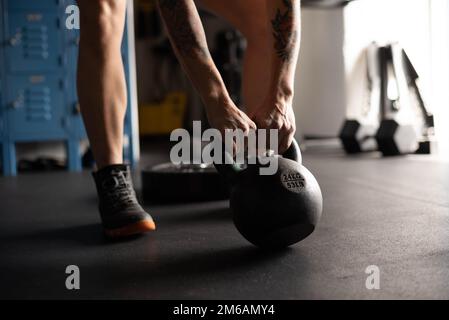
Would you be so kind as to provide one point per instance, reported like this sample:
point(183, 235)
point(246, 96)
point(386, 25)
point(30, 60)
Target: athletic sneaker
point(121, 213)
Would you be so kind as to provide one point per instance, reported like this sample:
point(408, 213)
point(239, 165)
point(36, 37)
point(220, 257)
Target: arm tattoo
point(284, 32)
point(184, 29)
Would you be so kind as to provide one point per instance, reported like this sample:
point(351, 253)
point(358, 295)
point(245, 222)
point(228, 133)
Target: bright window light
point(439, 97)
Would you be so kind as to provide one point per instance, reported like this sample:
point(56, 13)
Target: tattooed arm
point(187, 36)
point(276, 112)
point(285, 26)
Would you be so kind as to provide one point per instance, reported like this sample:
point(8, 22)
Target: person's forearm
point(187, 36)
point(285, 24)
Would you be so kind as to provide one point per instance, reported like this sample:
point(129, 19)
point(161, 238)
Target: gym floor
point(390, 212)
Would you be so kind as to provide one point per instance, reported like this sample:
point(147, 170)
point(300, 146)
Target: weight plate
point(171, 183)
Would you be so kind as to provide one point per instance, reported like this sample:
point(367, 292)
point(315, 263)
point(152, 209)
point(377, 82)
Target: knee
point(102, 21)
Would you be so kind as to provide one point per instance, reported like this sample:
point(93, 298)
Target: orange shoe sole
point(132, 229)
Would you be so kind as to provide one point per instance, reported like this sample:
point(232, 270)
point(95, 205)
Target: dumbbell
point(394, 138)
point(358, 133)
point(357, 137)
point(399, 132)
point(391, 138)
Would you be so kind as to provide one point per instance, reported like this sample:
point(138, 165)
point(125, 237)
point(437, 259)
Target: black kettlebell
point(274, 211)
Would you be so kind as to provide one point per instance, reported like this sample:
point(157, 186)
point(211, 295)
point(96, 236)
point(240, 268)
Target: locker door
point(35, 105)
point(2, 121)
point(33, 41)
point(36, 4)
point(2, 129)
point(76, 122)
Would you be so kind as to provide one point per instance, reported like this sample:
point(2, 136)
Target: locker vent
point(38, 104)
point(35, 42)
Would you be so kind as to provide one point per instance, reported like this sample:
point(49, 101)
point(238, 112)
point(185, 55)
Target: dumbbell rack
point(38, 100)
point(392, 124)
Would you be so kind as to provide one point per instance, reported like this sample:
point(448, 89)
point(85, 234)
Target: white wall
point(406, 21)
point(439, 93)
point(320, 89)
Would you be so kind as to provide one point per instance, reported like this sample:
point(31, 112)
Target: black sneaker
point(121, 213)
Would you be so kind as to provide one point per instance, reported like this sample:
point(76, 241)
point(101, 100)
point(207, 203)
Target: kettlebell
point(274, 211)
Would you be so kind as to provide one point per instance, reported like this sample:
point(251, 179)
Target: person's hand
point(224, 115)
point(276, 113)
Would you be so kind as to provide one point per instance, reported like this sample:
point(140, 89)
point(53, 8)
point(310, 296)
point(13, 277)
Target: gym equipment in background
point(163, 117)
point(176, 183)
point(424, 118)
point(358, 133)
point(148, 22)
point(406, 121)
point(394, 119)
point(230, 46)
point(274, 211)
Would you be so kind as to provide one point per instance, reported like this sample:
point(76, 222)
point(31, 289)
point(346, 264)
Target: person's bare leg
point(101, 77)
point(102, 95)
point(250, 18)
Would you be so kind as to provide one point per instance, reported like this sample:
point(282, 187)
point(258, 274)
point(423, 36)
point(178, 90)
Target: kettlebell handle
point(231, 171)
point(293, 152)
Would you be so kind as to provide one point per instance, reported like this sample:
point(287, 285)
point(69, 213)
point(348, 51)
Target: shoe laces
point(118, 190)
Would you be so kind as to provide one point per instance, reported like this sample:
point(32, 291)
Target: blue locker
point(2, 121)
point(71, 42)
point(35, 104)
point(38, 99)
point(2, 130)
point(34, 41)
point(35, 4)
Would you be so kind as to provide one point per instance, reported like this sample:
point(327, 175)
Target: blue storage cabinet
point(38, 100)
